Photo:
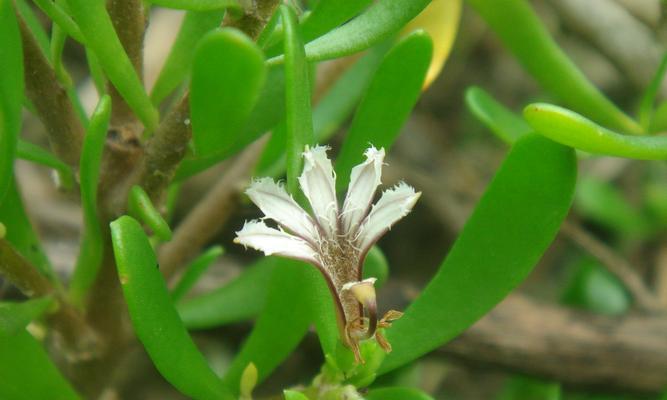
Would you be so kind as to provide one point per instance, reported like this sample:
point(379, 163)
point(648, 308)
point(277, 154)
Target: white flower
point(335, 240)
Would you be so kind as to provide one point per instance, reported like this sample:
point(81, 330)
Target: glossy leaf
point(154, 318)
point(141, 207)
point(396, 393)
point(197, 5)
point(514, 21)
point(14, 317)
point(298, 114)
point(31, 152)
point(377, 23)
point(221, 306)
point(179, 61)
point(227, 75)
point(100, 36)
point(282, 324)
point(20, 233)
point(11, 92)
point(92, 246)
point(440, 20)
point(329, 113)
point(27, 373)
point(571, 129)
point(508, 126)
point(61, 18)
point(266, 114)
point(511, 227)
point(387, 102)
point(194, 271)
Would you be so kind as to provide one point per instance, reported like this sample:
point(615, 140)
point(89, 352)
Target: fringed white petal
point(278, 205)
point(394, 204)
point(259, 236)
point(364, 180)
point(318, 183)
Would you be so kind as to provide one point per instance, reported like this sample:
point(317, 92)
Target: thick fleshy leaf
point(197, 5)
point(511, 227)
point(141, 207)
point(228, 73)
point(14, 317)
point(282, 324)
point(100, 36)
point(514, 21)
point(378, 22)
point(298, 114)
point(387, 102)
point(571, 129)
point(154, 317)
point(31, 152)
point(34, 25)
point(396, 393)
point(268, 112)
point(220, 306)
point(294, 395)
point(90, 252)
point(503, 123)
point(27, 373)
point(11, 92)
point(194, 271)
point(179, 61)
point(20, 233)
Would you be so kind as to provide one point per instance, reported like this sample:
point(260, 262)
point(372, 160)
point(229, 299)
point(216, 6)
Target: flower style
point(335, 240)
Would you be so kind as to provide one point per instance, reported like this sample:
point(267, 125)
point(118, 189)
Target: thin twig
point(54, 108)
point(618, 266)
point(210, 214)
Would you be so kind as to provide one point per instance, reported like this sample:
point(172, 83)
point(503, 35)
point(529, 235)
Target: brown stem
point(626, 353)
point(54, 108)
point(644, 298)
point(255, 17)
point(21, 273)
point(129, 21)
point(210, 214)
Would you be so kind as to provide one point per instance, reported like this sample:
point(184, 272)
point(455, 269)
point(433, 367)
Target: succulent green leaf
point(20, 233)
point(221, 306)
point(298, 114)
point(14, 317)
point(509, 230)
point(266, 114)
point(574, 130)
point(523, 33)
point(282, 324)
point(387, 102)
point(154, 317)
point(227, 75)
point(27, 373)
point(92, 245)
point(381, 20)
point(179, 61)
point(61, 18)
point(11, 92)
point(397, 393)
point(197, 5)
point(505, 124)
point(294, 395)
point(99, 35)
point(141, 207)
point(194, 271)
point(651, 92)
point(25, 11)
